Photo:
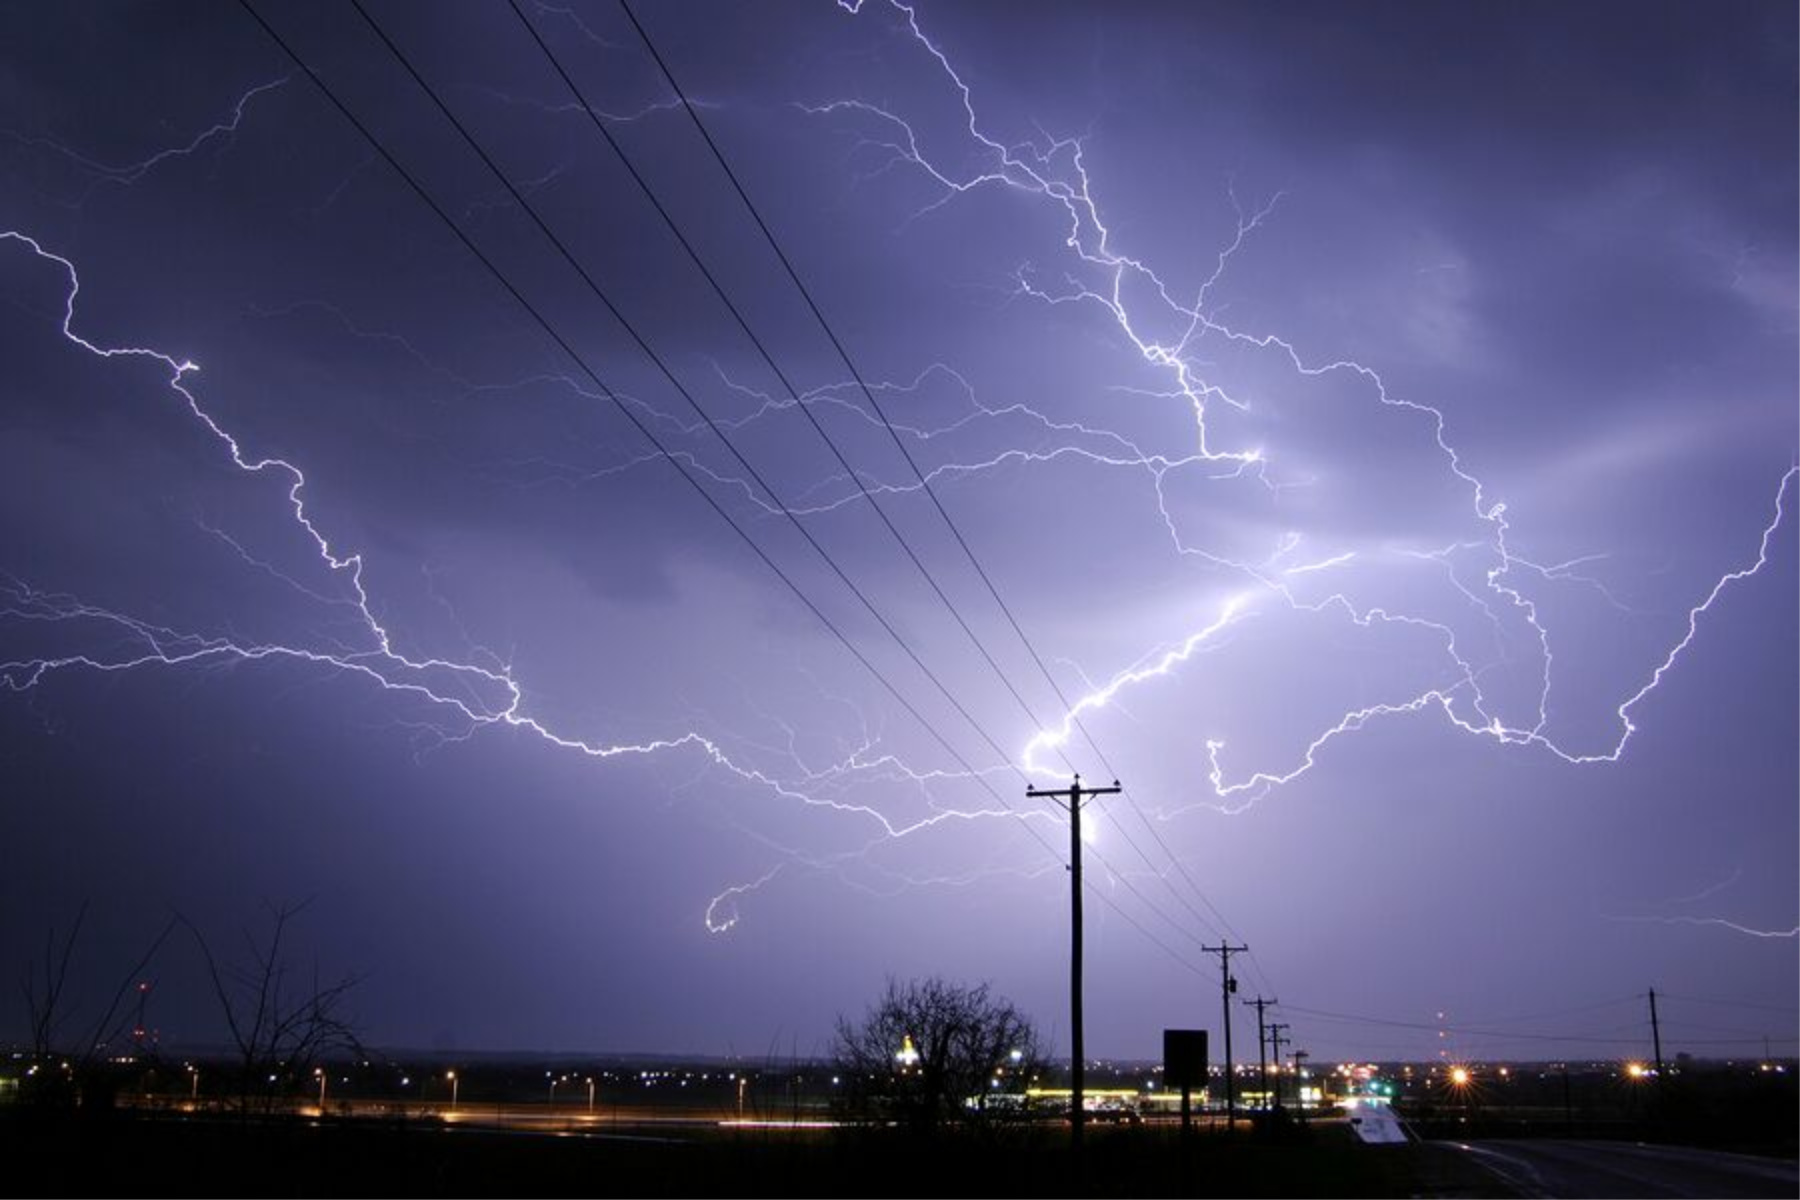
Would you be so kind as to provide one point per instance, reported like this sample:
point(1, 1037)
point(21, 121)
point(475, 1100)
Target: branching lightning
point(467, 696)
point(480, 691)
point(1054, 171)
point(1714, 923)
point(101, 174)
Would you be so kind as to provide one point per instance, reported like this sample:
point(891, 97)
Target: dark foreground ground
point(1606, 1170)
point(134, 1155)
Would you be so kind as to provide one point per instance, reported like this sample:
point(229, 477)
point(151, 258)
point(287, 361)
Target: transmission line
point(893, 433)
point(599, 292)
point(587, 369)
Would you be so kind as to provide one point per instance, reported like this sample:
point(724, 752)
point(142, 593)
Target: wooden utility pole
point(1656, 1039)
point(1262, 1061)
point(1227, 986)
point(1275, 1040)
point(1071, 799)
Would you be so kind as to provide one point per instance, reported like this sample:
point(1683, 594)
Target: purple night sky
point(1379, 419)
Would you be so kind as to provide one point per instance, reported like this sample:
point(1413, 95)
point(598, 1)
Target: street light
point(320, 1073)
point(590, 1083)
point(451, 1076)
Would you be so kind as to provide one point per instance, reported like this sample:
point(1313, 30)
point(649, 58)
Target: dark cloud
point(579, 771)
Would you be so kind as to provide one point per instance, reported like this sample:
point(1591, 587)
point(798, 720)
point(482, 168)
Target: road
point(1567, 1169)
point(627, 1122)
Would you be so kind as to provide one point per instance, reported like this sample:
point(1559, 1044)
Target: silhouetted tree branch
point(278, 1033)
point(63, 1073)
point(930, 1052)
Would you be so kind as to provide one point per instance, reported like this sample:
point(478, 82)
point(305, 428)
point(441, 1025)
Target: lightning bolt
point(1714, 923)
point(469, 695)
point(101, 174)
point(1165, 330)
point(1053, 171)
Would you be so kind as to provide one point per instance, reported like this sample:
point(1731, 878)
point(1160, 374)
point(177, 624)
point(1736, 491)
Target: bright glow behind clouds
point(1317, 475)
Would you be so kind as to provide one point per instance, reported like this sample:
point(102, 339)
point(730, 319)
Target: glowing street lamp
point(590, 1083)
point(909, 1053)
point(1459, 1077)
point(454, 1084)
point(319, 1073)
point(1636, 1070)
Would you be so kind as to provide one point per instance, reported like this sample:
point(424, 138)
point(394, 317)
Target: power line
point(843, 354)
point(768, 359)
point(875, 406)
point(1560, 1012)
point(581, 362)
point(612, 396)
point(593, 285)
point(663, 368)
point(1683, 1023)
point(818, 427)
point(1501, 1034)
point(1789, 1010)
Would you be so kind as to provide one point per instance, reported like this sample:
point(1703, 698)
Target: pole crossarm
point(1071, 798)
point(1227, 986)
point(1275, 1040)
point(1262, 1060)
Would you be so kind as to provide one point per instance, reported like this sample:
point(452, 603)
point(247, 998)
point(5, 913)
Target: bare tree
point(61, 1071)
point(930, 1052)
point(279, 1030)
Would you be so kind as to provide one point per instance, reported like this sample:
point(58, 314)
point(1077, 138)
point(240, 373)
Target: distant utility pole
point(1275, 1040)
point(1656, 1038)
point(1300, 1057)
point(1071, 799)
point(1227, 986)
point(1262, 1062)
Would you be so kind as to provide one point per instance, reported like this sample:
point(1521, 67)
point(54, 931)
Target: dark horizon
point(1378, 425)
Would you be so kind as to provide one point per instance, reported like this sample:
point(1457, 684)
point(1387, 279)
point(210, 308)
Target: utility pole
point(1656, 1040)
point(1227, 985)
point(1262, 1062)
point(1071, 800)
point(1275, 1040)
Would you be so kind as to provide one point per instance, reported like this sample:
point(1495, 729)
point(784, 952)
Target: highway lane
point(1604, 1170)
point(603, 1120)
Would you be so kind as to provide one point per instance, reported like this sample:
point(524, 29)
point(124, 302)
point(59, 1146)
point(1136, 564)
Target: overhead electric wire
point(593, 285)
point(608, 392)
point(1787, 1009)
point(1678, 1022)
point(850, 471)
point(925, 483)
point(768, 359)
point(1503, 1034)
point(1560, 1012)
point(582, 363)
point(667, 373)
point(875, 406)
